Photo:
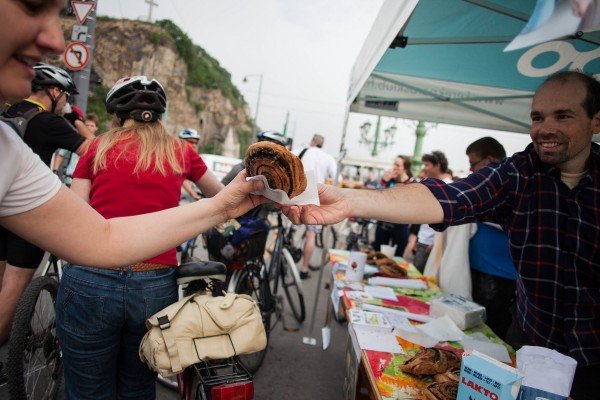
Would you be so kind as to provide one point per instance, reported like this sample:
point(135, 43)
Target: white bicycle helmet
point(47, 75)
point(272, 136)
point(189, 133)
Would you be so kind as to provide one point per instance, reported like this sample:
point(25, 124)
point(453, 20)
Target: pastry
point(373, 256)
point(441, 391)
point(392, 270)
point(452, 375)
point(431, 362)
point(282, 169)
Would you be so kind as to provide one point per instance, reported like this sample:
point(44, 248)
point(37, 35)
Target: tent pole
point(342, 152)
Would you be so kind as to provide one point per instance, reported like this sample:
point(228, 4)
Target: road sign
point(82, 10)
point(79, 33)
point(76, 56)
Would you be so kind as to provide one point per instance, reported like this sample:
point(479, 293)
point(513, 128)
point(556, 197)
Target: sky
point(304, 51)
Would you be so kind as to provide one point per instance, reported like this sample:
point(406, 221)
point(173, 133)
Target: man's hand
point(334, 208)
point(236, 199)
point(75, 115)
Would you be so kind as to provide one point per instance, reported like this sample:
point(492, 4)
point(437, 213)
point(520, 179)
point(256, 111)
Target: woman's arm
point(209, 184)
point(82, 187)
point(71, 229)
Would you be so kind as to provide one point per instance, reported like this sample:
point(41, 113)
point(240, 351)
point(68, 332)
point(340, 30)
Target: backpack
point(19, 121)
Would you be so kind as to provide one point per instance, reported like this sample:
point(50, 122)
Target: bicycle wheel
point(34, 365)
point(291, 285)
point(253, 284)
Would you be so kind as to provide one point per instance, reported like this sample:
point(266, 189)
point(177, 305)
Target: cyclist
point(134, 168)
point(46, 131)
point(191, 137)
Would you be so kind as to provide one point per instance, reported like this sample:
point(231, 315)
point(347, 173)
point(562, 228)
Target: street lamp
point(260, 76)
point(375, 140)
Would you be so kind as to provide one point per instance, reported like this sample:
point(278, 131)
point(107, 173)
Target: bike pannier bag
point(202, 327)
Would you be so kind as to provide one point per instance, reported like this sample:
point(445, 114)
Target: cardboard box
point(465, 313)
point(483, 378)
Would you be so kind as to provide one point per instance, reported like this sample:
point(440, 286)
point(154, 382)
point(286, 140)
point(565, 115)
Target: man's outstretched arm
point(412, 203)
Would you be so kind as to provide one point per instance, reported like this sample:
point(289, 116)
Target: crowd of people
point(539, 207)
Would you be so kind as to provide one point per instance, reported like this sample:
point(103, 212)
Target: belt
point(144, 266)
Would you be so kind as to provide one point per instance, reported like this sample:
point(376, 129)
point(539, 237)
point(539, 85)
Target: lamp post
point(260, 76)
point(377, 141)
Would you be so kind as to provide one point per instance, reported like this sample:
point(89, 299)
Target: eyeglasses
point(67, 94)
point(476, 163)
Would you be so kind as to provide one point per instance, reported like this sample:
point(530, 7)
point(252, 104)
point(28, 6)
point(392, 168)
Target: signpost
point(79, 53)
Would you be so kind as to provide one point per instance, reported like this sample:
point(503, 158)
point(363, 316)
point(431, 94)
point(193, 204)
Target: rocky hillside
point(205, 100)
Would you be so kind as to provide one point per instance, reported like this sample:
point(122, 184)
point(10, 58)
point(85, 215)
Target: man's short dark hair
point(591, 103)
point(437, 158)
point(487, 147)
point(319, 140)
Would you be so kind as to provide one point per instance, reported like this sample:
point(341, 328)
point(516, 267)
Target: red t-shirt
point(118, 192)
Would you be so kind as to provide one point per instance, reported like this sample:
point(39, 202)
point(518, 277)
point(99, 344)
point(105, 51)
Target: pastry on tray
point(441, 391)
point(452, 375)
point(392, 270)
point(282, 169)
point(431, 362)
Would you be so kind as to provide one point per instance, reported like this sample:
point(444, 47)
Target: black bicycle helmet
point(272, 136)
point(137, 97)
point(48, 75)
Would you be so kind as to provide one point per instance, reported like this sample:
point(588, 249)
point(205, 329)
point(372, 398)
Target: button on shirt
point(554, 235)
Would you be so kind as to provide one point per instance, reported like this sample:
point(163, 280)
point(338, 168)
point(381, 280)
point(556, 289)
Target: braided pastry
point(282, 169)
point(392, 270)
point(452, 375)
point(373, 256)
point(431, 362)
point(441, 391)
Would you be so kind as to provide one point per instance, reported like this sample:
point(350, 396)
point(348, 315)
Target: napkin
point(309, 196)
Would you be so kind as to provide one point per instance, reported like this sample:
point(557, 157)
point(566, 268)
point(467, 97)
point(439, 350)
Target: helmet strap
point(53, 100)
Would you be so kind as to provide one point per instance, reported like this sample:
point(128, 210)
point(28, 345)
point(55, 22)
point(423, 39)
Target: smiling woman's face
point(29, 29)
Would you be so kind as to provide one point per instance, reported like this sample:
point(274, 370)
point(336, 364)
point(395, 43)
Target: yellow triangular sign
point(82, 10)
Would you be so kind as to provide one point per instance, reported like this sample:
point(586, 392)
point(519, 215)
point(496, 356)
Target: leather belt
point(144, 266)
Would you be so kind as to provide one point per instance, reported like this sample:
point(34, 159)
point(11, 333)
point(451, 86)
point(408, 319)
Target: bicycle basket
point(247, 243)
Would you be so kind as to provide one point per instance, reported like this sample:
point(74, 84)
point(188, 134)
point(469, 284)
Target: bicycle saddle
point(200, 269)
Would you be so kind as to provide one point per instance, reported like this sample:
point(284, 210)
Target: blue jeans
point(100, 315)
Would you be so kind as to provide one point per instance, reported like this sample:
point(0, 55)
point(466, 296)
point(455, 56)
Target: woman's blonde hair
point(156, 147)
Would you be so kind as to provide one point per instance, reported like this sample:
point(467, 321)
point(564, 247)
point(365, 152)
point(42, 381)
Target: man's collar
point(37, 103)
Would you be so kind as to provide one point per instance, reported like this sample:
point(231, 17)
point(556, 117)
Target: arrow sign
point(76, 56)
point(82, 10)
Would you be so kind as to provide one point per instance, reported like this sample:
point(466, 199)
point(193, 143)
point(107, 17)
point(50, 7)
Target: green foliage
point(197, 106)
point(203, 70)
point(96, 105)
point(245, 138)
point(211, 148)
point(155, 38)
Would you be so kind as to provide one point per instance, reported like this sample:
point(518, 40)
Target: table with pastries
point(382, 363)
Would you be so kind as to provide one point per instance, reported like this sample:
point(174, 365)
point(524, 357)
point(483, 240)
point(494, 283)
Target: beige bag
point(201, 327)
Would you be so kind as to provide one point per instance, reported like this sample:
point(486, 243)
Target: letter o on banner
point(566, 54)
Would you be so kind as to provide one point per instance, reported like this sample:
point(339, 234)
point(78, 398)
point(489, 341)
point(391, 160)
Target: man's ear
point(596, 123)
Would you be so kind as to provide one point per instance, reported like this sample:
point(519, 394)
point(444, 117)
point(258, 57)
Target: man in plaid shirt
point(546, 197)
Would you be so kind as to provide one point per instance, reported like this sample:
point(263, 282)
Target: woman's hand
point(334, 208)
point(236, 199)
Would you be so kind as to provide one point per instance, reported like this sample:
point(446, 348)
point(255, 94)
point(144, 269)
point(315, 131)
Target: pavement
point(291, 370)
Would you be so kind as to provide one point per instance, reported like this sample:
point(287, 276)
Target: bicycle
point(211, 379)
point(359, 233)
point(34, 365)
point(255, 280)
point(325, 239)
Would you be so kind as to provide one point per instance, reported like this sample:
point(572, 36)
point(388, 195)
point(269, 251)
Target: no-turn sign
point(76, 56)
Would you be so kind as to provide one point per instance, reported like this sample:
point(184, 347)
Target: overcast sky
point(305, 50)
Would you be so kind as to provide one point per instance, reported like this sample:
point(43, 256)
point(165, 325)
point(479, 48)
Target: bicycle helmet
point(272, 136)
point(48, 75)
point(136, 97)
point(189, 134)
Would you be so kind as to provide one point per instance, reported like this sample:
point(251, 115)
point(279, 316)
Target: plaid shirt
point(554, 241)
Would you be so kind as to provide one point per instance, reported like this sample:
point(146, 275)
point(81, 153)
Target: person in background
point(65, 161)
point(420, 243)
point(192, 138)
point(385, 232)
point(33, 203)
point(134, 168)
point(484, 247)
point(371, 182)
point(46, 131)
point(324, 166)
point(545, 197)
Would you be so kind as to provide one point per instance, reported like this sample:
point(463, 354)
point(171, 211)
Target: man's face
point(561, 130)
point(61, 99)
point(476, 161)
point(29, 30)
point(431, 170)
